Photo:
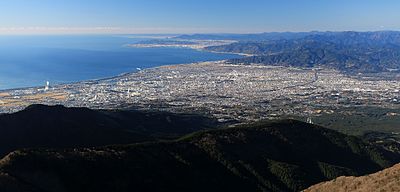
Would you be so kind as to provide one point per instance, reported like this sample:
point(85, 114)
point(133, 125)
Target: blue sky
point(196, 16)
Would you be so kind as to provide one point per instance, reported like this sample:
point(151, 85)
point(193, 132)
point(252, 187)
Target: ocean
point(27, 61)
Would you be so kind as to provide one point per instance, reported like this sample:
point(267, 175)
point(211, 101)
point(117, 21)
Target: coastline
point(207, 58)
point(199, 45)
point(15, 99)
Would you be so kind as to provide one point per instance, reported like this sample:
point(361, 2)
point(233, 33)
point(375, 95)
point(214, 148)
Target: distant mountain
point(350, 52)
point(282, 155)
point(248, 37)
point(58, 127)
point(364, 37)
point(387, 180)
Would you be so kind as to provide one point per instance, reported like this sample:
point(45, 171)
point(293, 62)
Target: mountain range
point(349, 52)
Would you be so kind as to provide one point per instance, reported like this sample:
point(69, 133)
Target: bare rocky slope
point(387, 180)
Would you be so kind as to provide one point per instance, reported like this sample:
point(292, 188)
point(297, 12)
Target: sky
point(195, 16)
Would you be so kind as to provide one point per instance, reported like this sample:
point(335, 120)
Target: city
point(227, 92)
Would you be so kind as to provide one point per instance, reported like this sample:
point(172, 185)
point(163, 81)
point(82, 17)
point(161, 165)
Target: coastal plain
point(229, 93)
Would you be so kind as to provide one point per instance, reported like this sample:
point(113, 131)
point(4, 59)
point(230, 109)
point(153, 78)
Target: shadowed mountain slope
point(282, 155)
point(58, 127)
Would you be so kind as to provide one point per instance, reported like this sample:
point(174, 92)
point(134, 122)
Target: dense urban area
point(227, 92)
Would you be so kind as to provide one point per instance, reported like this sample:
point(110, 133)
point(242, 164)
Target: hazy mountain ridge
point(282, 155)
point(248, 37)
point(378, 36)
point(350, 52)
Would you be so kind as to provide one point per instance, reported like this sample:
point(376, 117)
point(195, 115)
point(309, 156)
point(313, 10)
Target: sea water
point(27, 61)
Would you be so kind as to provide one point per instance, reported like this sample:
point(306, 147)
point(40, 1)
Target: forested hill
point(60, 127)
point(282, 155)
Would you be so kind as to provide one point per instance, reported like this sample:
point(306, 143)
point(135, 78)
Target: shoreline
point(125, 73)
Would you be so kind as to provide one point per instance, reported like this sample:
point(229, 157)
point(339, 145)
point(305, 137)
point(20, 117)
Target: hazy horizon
point(165, 34)
point(189, 16)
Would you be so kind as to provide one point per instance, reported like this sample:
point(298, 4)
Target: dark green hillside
point(58, 126)
point(283, 155)
point(358, 120)
point(11, 184)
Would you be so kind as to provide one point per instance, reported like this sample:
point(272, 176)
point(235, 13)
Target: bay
point(27, 61)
